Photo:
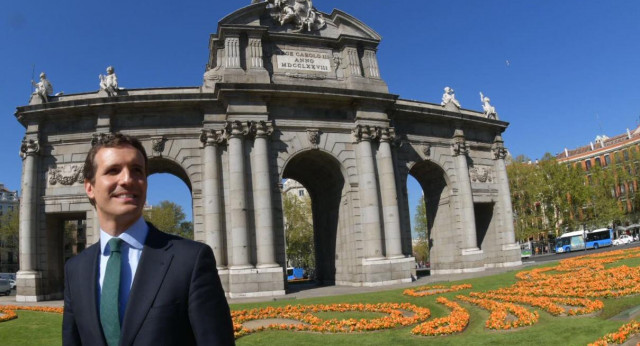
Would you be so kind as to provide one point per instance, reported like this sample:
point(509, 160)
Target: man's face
point(119, 188)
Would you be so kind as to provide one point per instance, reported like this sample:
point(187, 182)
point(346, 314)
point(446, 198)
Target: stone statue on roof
point(489, 110)
point(449, 97)
point(43, 88)
point(299, 13)
point(109, 83)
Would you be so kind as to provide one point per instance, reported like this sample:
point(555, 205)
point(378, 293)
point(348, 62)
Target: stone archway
point(437, 197)
point(322, 176)
point(278, 102)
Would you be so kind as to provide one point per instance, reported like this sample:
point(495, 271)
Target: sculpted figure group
point(300, 13)
point(449, 97)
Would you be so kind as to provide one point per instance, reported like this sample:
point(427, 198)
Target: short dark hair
point(111, 140)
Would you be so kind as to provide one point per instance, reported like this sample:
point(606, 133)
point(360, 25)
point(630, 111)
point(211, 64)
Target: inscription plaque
point(303, 61)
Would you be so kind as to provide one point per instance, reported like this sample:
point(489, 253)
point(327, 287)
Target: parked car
point(5, 286)
point(623, 239)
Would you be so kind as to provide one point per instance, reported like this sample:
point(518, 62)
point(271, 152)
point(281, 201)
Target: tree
point(299, 230)
point(9, 226)
point(421, 244)
point(169, 217)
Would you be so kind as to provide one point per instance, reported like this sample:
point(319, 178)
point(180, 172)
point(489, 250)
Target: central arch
point(322, 175)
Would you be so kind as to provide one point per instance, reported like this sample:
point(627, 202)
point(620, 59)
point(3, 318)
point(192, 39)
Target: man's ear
point(88, 188)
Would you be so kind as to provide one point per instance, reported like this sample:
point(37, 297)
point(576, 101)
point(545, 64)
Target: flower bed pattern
point(9, 311)
point(620, 336)
point(309, 322)
point(455, 322)
point(499, 318)
point(434, 289)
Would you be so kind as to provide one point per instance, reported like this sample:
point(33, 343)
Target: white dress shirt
point(131, 249)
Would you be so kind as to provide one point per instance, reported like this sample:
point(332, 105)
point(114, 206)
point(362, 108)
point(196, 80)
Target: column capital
point(29, 147)
point(237, 129)
point(212, 137)
point(262, 129)
point(386, 134)
point(100, 137)
point(364, 133)
point(498, 149)
point(459, 145)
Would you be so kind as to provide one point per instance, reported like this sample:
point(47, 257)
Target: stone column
point(265, 244)
point(255, 52)
point(369, 205)
point(237, 195)
point(232, 51)
point(504, 194)
point(28, 206)
point(214, 235)
point(468, 218)
point(370, 64)
point(353, 62)
point(389, 195)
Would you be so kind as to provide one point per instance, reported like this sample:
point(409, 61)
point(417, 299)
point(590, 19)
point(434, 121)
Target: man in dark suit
point(138, 285)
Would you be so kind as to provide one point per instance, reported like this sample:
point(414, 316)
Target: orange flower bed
point(9, 311)
point(620, 336)
point(549, 304)
point(309, 322)
point(499, 318)
point(434, 289)
point(455, 322)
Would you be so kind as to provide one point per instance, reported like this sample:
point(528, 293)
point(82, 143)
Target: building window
point(598, 163)
point(300, 193)
point(587, 165)
point(607, 160)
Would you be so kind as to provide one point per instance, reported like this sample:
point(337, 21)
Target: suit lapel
point(88, 297)
point(151, 271)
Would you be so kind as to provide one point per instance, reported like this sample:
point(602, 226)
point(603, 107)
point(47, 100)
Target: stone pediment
point(288, 42)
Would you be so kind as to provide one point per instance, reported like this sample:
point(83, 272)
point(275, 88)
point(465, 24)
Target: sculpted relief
point(480, 174)
point(299, 13)
point(66, 175)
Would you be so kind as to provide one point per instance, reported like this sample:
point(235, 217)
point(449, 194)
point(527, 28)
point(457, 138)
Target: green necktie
point(109, 302)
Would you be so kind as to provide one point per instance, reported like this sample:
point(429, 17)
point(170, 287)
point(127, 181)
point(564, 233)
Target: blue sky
point(561, 72)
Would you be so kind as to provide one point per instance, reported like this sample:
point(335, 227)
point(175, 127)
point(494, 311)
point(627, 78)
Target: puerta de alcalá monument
point(289, 92)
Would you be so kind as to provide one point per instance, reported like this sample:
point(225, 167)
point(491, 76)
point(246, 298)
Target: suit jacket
point(176, 297)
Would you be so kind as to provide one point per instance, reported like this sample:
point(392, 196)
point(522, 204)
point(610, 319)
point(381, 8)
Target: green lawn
point(32, 328)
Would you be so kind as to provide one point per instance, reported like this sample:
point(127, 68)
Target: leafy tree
point(299, 230)
point(9, 225)
point(169, 217)
point(421, 244)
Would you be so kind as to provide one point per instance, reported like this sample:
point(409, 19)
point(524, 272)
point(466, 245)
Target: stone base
point(383, 272)
point(253, 282)
point(503, 265)
point(28, 285)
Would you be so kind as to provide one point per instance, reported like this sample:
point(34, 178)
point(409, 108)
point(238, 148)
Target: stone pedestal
point(28, 286)
point(254, 282)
